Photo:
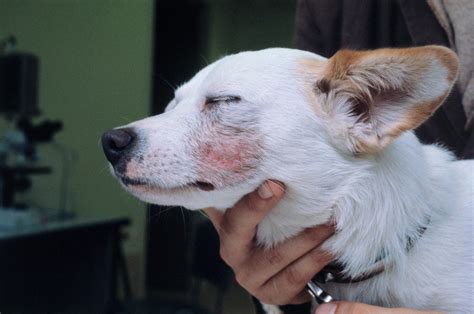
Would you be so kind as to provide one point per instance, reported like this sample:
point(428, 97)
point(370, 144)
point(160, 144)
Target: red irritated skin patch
point(227, 155)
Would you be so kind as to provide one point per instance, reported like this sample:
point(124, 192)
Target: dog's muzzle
point(116, 143)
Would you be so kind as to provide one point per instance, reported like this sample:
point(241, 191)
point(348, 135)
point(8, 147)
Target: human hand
point(277, 275)
point(359, 308)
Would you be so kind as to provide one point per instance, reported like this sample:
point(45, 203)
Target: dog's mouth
point(205, 186)
point(201, 185)
point(129, 181)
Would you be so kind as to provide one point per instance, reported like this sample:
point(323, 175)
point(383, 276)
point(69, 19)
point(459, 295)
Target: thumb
point(359, 308)
point(215, 216)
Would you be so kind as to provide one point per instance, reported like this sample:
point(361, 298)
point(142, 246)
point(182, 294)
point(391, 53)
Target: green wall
point(95, 74)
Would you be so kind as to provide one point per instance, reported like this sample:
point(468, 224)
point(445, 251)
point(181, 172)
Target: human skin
point(278, 275)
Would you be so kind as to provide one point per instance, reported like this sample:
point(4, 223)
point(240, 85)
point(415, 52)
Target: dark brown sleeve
point(318, 26)
point(468, 152)
point(326, 26)
point(307, 35)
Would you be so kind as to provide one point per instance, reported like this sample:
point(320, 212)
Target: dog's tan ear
point(374, 96)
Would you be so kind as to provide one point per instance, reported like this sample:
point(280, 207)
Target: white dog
point(337, 133)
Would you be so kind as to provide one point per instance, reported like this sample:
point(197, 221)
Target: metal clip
point(318, 293)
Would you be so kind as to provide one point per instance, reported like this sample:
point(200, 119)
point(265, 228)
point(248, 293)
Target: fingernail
point(264, 191)
point(326, 308)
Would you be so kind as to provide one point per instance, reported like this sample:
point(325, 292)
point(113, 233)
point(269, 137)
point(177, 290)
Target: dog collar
point(334, 272)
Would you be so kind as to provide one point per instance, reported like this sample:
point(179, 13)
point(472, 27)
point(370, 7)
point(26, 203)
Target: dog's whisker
point(103, 169)
point(173, 87)
point(156, 214)
point(220, 230)
point(184, 220)
point(203, 213)
point(203, 57)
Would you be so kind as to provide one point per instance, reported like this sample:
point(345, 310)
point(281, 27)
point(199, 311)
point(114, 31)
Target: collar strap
point(334, 272)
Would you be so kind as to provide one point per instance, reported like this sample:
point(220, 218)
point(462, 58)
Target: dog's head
point(270, 114)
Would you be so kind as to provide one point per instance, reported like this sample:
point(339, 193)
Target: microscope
point(18, 154)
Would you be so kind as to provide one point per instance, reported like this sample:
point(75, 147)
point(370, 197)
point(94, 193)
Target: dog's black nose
point(116, 142)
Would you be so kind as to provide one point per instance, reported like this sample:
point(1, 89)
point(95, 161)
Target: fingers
point(278, 275)
point(215, 216)
point(302, 297)
point(287, 285)
point(238, 225)
point(359, 308)
point(264, 192)
point(265, 264)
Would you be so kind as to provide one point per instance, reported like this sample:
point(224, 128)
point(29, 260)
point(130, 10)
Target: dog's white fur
point(365, 170)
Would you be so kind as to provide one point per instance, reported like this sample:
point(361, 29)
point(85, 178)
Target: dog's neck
point(378, 205)
point(386, 211)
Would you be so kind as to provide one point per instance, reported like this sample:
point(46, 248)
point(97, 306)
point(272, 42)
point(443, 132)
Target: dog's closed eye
point(215, 100)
